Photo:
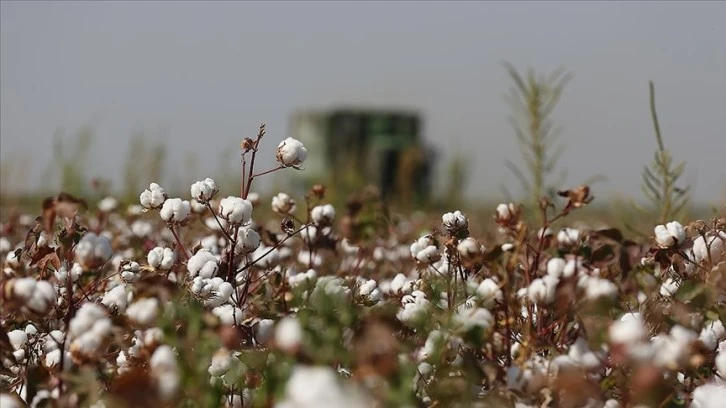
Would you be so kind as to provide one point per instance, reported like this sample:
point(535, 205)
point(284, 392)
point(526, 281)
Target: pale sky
point(202, 75)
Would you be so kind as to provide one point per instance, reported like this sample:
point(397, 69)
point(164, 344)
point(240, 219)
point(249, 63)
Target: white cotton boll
point(630, 329)
point(709, 395)
point(62, 274)
point(130, 271)
point(220, 295)
point(248, 240)
point(473, 318)
point(507, 247)
point(312, 387)
point(175, 210)
point(203, 263)
point(235, 210)
point(264, 259)
point(469, 248)
point(116, 299)
point(161, 258)
point(323, 214)
point(596, 288)
point(92, 251)
point(141, 228)
point(288, 334)
point(42, 298)
point(164, 369)
point(291, 152)
point(454, 222)
point(400, 284)
point(5, 245)
point(283, 204)
point(203, 191)
point(543, 290)
point(228, 314)
point(720, 363)
point(143, 311)
point(669, 235)
point(108, 204)
point(711, 249)
point(264, 330)
point(414, 308)
point(221, 363)
point(18, 338)
point(669, 288)
point(572, 267)
point(153, 197)
point(568, 237)
point(85, 318)
point(10, 401)
point(556, 267)
point(506, 211)
point(489, 292)
point(712, 333)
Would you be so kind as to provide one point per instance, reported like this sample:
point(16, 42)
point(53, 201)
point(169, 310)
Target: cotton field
point(198, 301)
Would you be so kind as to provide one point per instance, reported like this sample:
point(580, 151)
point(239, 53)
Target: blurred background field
point(103, 98)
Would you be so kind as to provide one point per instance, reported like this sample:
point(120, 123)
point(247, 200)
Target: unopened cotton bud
point(283, 204)
point(323, 214)
point(669, 235)
point(175, 210)
point(235, 210)
point(153, 197)
point(291, 152)
point(203, 191)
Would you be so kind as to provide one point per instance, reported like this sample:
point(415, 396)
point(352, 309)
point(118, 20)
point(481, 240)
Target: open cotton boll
point(62, 274)
point(556, 267)
point(568, 237)
point(470, 248)
point(710, 249)
point(143, 311)
point(282, 203)
point(36, 296)
point(313, 387)
point(235, 210)
point(669, 235)
point(323, 215)
point(709, 395)
point(248, 240)
point(229, 314)
point(543, 290)
point(175, 210)
point(161, 258)
point(164, 368)
point(203, 191)
point(153, 197)
point(107, 204)
point(203, 263)
point(264, 331)
point(288, 334)
point(92, 251)
point(469, 319)
point(116, 299)
point(291, 153)
point(489, 292)
point(712, 333)
point(454, 222)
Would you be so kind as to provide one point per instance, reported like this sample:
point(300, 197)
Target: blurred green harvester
point(350, 148)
